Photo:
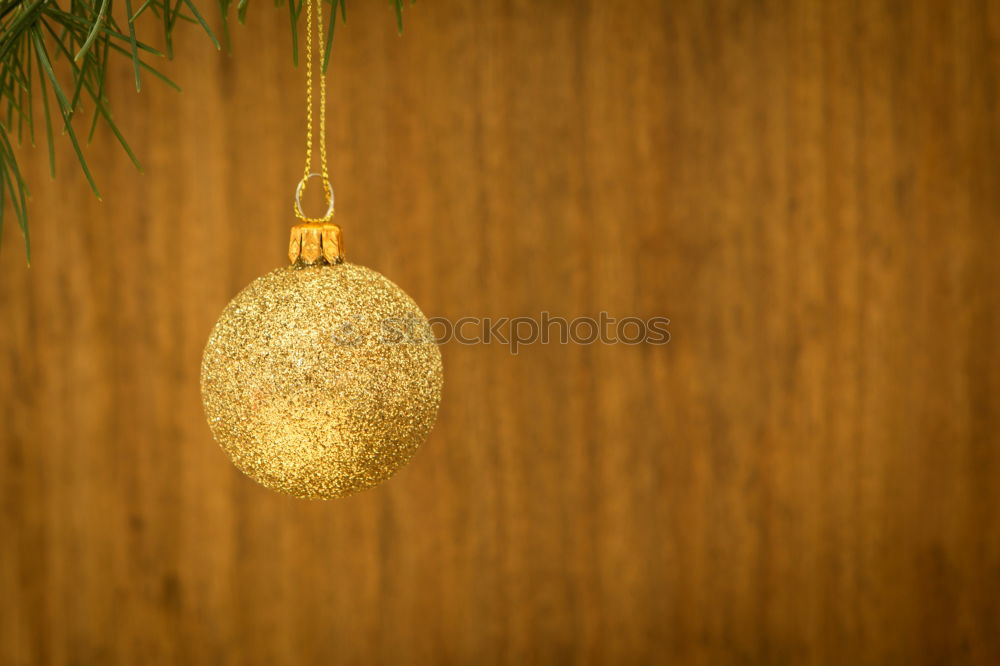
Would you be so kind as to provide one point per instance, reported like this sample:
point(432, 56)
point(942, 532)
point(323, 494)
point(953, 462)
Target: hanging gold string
point(307, 173)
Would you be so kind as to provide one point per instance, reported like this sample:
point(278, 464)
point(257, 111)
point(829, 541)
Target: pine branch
point(44, 37)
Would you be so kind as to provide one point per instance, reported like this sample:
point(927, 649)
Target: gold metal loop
point(327, 190)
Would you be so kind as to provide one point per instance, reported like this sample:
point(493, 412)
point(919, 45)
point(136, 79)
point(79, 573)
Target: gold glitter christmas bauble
point(321, 379)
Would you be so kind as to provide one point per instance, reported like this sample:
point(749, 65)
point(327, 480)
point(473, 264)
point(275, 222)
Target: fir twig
point(84, 33)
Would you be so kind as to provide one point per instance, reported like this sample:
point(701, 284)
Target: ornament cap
point(312, 243)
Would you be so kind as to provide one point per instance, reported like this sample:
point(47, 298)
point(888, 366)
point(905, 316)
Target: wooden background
point(807, 474)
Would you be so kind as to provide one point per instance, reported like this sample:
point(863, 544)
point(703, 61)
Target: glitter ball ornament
point(322, 378)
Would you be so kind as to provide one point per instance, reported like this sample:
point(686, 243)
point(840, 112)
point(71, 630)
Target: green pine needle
point(67, 110)
point(208, 30)
point(94, 30)
point(130, 19)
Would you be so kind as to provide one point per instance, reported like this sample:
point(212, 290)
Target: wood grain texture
point(807, 474)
